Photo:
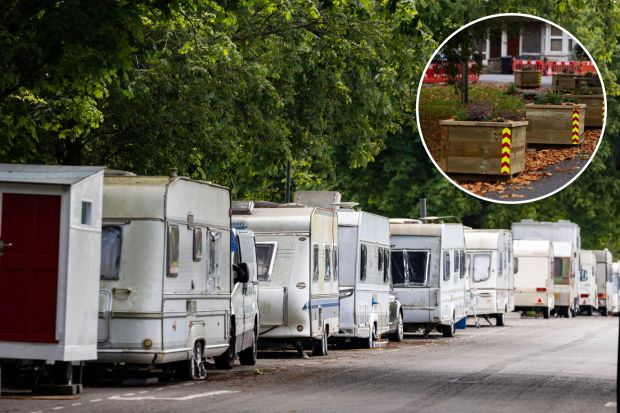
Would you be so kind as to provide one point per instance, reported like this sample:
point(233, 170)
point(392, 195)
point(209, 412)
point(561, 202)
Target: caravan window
point(397, 264)
point(501, 264)
point(463, 264)
point(446, 265)
point(457, 261)
point(215, 242)
point(561, 270)
point(111, 246)
point(386, 265)
point(265, 257)
point(583, 276)
point(173, 250)
point(416, 266)
point(197, 248)
point(315, 261)
point(328, 262)
point(380, 258)
point(363, 262)
point(480, 267)
point(335, 261)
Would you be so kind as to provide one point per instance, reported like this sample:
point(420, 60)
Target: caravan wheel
point(194, 368)
point(320, 346)
point(399, 334)
point(499, 320)
point(546, 312)
point(448, 330)
point(226, 360)
point(372, 337)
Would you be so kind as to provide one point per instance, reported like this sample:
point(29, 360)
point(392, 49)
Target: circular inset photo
point(511, 108)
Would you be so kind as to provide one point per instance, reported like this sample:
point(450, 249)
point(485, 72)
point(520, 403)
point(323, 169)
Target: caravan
point(491, 272)
point(167, 277)
point(588, 298)
point(364, 255)
point(615, 288)
point(560, 231)
point(604, 281)
point(428, 267)
point(297, 254)
point(533, 269)
point(563, 280)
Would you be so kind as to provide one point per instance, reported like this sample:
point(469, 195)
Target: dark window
point(501, 264)
point(197, 244)
point(380, 258)
point(363, 262)
point(446, 265)
point(386, 266)
point(328, 262)
point(397, 264)
point(457, 261)
point(335, 261)
point(87, 213)
point(111, 247)
point(561, 270)
point(416, 266)
point(463, 264)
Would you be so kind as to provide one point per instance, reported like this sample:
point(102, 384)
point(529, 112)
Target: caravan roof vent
point(292, 205)
point(345, 205)
point(404, 221)
point(242, 207)
point(321, 199)
point(266, 204)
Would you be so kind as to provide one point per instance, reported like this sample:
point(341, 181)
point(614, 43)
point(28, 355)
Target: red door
point(30, 228)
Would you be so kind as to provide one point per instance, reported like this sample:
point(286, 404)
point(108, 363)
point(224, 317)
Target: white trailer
point(560, 231)
point(363, 255)
point(50, 241)
point(166, 275)
point(588, 293)
point(533, 271)
point(604, 283)
point(428, 268)
point(297, 254)
point(615, 288)
point(563, 280)
point(491, 272)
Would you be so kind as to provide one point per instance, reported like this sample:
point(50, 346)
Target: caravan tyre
point(546, 313)
point(589, 311)
point(248, 356)
point(603, 311)
point(62, 373)
point(320, 346)
point(399, 334)
point(499, 320)
point(448, 330)
point(226, 360)
point(194, 368)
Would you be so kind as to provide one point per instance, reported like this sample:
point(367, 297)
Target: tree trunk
point(464, 82)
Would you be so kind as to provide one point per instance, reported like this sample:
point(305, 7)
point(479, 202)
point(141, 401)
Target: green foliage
point(549, 98)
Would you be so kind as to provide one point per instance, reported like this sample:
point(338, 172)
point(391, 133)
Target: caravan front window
point(397, 262)
point(386, 265)
point(583, 276)
point(335, 262)
point(457, 261)
point(446, 266)
point(480, 267)
point(501, 264)
point(561, 270)
point(197, 247)
point(265, 256)
point(173, 250)
point(463, 264)
point(315, 261)
point(111, 246)
point(215, 241)
point(380, 258)
point(416, 266)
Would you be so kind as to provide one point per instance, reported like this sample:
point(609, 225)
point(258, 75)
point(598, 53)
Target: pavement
point(492, 78)
point(554, 365)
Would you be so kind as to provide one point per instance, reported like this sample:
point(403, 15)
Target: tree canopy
point(229, 91)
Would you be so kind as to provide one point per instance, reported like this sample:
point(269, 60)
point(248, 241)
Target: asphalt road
point(496, 78)
point(531, 365)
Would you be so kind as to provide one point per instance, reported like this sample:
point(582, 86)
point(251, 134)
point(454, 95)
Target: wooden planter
point(487, 148)
point(555, 124)
point(595, 110)
point(565, 81)
point(528, 78)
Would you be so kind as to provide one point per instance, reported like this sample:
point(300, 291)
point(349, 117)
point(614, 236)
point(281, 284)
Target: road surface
point(531, 365)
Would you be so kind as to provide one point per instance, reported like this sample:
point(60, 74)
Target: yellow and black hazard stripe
point(575, 130)
point(506, 142)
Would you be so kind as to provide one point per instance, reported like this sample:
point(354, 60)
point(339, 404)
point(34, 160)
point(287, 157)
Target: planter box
point(487, 148)
point(555, 124)
point(594, 110)
point(565, 81)
point(528, 78)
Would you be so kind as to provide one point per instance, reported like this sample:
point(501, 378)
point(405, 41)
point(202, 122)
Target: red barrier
point(573, 66)
point(532, 64)
point(436, 74)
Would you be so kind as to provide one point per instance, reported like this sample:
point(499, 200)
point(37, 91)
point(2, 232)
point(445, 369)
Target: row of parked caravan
point(184, 275)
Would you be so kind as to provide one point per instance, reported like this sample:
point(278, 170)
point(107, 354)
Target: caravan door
point(250, 289)
point(29, 256)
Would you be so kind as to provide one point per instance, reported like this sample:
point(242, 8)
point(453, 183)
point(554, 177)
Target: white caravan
point(533, 269)
point(297, 253)
point(563, 280)
point(588, 297)
point(615, 287)
point(428, 268)
point(50, 241)
point(167, 277)
point(604, 280)
point(491, 272)
point(560, 231)
point(363, 255)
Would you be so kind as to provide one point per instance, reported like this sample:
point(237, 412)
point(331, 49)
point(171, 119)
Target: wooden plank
point(594, 110)
point(527, 78)
point(553, 124)
point(565, 81)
